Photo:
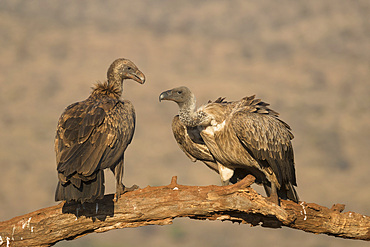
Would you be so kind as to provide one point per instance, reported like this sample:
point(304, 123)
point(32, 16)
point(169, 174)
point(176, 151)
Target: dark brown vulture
point(235, 139)
point(93, 135)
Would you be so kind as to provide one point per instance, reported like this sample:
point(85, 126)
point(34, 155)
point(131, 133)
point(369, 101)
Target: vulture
point(93, 135)
point(236, 139)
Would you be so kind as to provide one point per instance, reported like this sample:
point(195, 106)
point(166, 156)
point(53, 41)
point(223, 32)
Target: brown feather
point(245, 136)
point(93, 135)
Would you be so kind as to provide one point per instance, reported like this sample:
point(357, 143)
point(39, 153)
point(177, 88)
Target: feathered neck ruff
point(112, 90)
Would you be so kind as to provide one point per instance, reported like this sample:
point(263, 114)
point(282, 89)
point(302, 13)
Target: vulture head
point(181, 95)
point(122, 69)
point(185, 99)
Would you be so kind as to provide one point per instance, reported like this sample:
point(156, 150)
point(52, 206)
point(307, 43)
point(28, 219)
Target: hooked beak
point(165, 95)
point(137, 76)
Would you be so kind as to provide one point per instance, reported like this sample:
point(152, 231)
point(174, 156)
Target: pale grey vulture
point(237, 138)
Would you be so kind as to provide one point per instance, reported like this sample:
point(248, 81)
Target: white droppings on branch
point(27, 223)
point(304, 211)
point(13, 233)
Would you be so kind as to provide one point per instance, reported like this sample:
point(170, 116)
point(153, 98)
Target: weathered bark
point(160, 205)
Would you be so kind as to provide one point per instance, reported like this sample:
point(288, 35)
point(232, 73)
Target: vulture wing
point(268, 140)
point(190, 141)
point(192, 144)
point(92, 135)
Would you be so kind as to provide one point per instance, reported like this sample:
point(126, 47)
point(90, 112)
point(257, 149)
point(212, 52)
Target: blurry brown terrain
point(309, 59)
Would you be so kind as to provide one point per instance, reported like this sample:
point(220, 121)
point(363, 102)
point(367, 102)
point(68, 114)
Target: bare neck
point(188, 114)
point(115, 79)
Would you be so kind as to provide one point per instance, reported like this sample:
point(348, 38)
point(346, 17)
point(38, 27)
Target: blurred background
point(309, 59)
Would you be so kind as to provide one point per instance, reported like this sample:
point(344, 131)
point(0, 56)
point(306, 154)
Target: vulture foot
point(121, 189)
point(274, 199)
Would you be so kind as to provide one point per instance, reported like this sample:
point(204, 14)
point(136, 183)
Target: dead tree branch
point(160, 205)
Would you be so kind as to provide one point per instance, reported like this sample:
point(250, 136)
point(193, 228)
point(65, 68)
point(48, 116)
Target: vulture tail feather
point(288, 192)
point(292, 193)
point(88, 191)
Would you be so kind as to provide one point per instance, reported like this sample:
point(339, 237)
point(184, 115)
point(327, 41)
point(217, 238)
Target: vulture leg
point(118, 173)
point(267, 189)
point(225, 173)
point(239, 174)
point(273, 197)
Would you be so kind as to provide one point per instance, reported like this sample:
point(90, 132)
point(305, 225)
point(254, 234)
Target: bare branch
point(160, 205)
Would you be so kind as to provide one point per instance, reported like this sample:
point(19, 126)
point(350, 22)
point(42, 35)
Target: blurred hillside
point(309, 59)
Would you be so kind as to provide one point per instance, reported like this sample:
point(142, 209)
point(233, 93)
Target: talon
point(120, 190)
point(274, 199)
point(132, 188)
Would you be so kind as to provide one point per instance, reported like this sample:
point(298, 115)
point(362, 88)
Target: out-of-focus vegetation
point(309, 59)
